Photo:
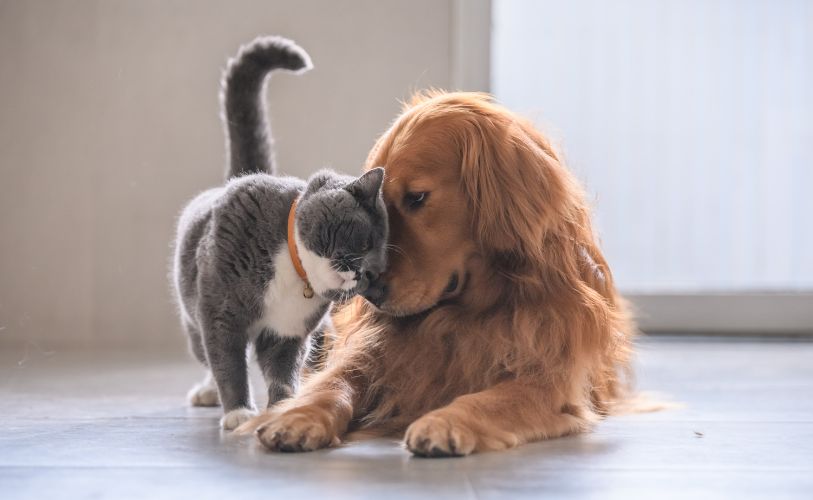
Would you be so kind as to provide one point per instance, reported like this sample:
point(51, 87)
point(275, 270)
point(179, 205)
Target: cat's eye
point(414, 201)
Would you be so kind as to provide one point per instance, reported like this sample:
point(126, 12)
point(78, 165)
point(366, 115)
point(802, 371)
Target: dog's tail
point(242, 97)
point(645, 402)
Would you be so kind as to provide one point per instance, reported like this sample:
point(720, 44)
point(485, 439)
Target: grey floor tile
point(114, 425)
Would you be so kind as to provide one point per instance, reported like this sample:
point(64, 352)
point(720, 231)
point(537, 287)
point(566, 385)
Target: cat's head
point(341, 232)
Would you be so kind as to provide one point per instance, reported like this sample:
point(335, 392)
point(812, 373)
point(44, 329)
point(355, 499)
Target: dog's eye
point(414, 201)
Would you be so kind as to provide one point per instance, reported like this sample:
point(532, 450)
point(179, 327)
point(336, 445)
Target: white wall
point(689, 121)
point(109, 123)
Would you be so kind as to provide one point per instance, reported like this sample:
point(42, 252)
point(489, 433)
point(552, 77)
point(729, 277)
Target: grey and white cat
point(234, 275)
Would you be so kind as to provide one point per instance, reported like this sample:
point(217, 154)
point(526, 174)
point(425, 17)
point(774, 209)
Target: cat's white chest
point(285, 309)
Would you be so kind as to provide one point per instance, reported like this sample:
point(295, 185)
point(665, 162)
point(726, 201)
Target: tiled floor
point(114, 425)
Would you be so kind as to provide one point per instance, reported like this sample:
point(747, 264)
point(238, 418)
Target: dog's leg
point(316, 418)
point(501, 417)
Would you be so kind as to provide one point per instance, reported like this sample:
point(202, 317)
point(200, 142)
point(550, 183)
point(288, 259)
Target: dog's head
point(469, 188)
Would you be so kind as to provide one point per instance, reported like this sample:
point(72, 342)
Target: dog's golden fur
point(535, 341)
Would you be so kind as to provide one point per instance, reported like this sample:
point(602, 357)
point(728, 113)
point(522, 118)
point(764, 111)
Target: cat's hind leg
point(203, 393)
point(280, 359)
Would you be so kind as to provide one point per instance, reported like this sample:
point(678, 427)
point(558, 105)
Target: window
point(689, 124)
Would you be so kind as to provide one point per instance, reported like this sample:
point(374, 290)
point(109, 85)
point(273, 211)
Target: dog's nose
point(365, 279)
point(376, 292)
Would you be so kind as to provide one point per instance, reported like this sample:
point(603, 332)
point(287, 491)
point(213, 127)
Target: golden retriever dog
point(496, 323)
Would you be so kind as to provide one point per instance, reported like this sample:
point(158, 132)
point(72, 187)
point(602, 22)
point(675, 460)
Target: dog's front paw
point(300, 429)
point(436, 435)
point(235, 418)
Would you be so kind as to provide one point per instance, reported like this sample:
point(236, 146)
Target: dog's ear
point(516, 186)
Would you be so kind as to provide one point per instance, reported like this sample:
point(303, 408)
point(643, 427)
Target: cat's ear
point(318, 180)
point(367, 187)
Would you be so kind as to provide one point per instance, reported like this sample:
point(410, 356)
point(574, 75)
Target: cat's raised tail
point(242, 98)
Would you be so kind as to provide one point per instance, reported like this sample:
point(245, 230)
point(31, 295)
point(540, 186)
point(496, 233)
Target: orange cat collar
point(307, 292)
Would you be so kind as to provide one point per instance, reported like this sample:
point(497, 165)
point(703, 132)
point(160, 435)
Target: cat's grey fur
point(233, 274)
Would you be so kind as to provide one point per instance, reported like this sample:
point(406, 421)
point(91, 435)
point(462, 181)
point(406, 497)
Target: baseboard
point(747, 313)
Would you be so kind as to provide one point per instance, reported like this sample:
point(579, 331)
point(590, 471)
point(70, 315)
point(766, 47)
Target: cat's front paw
point(235, 418)
point(300, 429)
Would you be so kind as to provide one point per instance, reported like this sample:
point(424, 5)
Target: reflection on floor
point(114, 425)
